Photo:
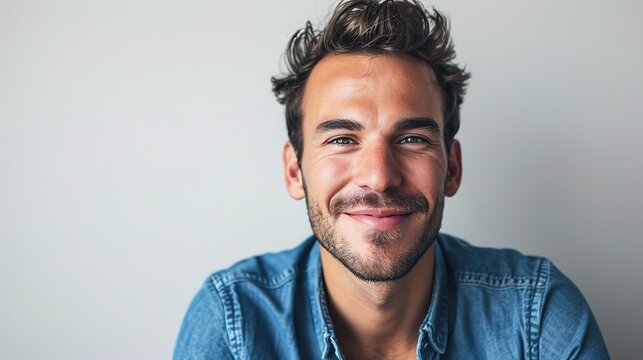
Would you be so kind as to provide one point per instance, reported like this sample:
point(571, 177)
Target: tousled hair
point(399, 27)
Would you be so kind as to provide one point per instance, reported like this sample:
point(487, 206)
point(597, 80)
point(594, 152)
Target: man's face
point(374, 169)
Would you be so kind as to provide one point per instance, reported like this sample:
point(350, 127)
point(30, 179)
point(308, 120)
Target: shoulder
point(490, 266)
point(267, 270)
point(234, 303)
point(553, 315)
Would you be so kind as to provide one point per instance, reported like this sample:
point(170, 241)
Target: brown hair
point(371, 26)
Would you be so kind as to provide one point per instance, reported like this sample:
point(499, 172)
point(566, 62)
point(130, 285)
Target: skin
point(374, 318)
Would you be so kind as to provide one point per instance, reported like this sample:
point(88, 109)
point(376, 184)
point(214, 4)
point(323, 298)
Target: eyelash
point(412, 139)
point(416, 140)
point(342, 140)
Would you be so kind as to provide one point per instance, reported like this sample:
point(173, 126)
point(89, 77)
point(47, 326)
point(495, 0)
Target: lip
point(380, 218)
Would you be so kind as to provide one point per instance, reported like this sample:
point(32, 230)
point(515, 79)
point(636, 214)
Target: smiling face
point(374, 168)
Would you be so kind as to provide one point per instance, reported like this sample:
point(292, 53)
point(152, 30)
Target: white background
point(140, 150)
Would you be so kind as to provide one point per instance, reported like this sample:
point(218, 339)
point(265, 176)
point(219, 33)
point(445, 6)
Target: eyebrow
point(418, 123)
point(405, 124)
point(338, 124)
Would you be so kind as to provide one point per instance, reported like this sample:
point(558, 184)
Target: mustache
point(394, 200)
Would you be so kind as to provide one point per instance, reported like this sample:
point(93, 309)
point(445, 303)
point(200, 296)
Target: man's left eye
point(412, 140)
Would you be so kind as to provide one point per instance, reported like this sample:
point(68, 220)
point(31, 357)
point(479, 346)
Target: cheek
point(428, 176)
point(327, 176)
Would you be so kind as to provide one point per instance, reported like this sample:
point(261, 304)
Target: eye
point(413, 140)
point(342, 141)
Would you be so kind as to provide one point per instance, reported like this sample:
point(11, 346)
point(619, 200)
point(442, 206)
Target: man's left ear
point(454, 169)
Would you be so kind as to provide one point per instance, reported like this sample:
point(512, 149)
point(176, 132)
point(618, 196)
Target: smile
point(380, 219)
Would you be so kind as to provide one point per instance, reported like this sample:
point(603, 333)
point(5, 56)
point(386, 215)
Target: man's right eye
point(342, 141)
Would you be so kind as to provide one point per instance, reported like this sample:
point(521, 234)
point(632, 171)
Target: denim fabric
point(486, 304)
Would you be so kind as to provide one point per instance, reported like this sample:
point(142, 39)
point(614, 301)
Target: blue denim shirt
point(486, 304)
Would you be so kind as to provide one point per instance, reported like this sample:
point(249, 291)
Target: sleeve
point(568, 329)
point(203, 334)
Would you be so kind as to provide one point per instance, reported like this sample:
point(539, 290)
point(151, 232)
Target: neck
point(377, 318)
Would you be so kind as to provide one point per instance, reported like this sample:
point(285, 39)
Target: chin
point(378, 256)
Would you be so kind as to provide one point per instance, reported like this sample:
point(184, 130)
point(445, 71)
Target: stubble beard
point(384, 262)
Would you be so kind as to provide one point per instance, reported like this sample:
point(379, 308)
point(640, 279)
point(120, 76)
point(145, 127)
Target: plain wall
point(140, 150)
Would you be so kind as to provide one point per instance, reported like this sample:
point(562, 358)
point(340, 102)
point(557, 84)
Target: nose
point(376, 168)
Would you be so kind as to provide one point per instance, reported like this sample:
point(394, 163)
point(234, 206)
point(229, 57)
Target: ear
point(454, 169)
point(292, 172)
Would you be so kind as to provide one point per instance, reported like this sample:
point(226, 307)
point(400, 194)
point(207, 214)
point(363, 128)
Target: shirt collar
point(435, 324)
point(321, 317)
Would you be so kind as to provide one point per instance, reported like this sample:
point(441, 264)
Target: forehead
point(376, 89)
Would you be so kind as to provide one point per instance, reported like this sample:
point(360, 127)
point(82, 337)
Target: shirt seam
point(495, 282)
point(232, 316)
point(535, 300)
point(272, 282)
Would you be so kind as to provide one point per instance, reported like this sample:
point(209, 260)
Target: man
point(372, 108)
